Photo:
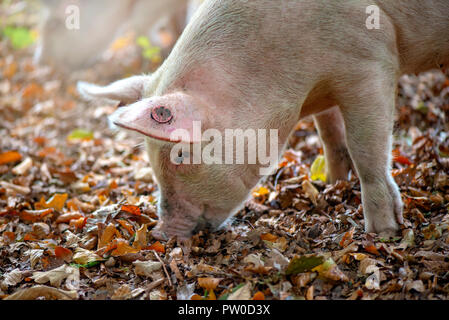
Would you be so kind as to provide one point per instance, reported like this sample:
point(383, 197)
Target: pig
point(268, 64)
point(70, 49)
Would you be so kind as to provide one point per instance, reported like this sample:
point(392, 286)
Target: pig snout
point(177, 220)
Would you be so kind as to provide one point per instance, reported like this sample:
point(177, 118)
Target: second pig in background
point(74, 33)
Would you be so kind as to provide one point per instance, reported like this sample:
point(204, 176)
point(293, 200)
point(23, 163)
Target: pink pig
point(75, 32)
point(266, 64)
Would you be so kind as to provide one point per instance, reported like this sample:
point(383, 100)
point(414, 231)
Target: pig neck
point(222, 96)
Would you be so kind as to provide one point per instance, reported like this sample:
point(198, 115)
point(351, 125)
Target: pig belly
point(316, 104)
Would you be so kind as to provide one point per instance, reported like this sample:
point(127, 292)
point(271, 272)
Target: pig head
point(192, 196)
point(265, 65)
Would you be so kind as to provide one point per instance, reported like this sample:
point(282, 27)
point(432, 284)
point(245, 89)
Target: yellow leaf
point(318, 169)
point(262, 191)
point(330, 271)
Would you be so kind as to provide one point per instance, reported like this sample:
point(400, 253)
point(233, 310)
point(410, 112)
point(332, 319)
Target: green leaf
point(303, 264)
point(390, 240)
point(87, 265)
point(143, 42)
point(422, 108)
point(226, 295)
point(20, 37)
point(80, 134)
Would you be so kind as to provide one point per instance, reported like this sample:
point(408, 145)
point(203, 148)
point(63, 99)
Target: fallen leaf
point(13, 277)
point(63, 253)
point(56, 202)
point(269, 237)
point(243, 293)
point(141, 238)
point(83, 256)
point(127, 226)
point(146, 268)
point(157, 246)
point(80, 134)
point(122, 248)
point(109, 233)
point(330, 271)
point(56, 276)
point(310, 191)
point(135, 210)
point(262, 191)
point(347, 238)
point(303, 264)
point(259, 296)
point(23, 167)
point(318, 169)
point(10, 156)
point(209, 283)
point(67, 217)
point(43, 291)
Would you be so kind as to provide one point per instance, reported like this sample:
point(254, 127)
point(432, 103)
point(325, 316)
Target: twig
point(165, 269)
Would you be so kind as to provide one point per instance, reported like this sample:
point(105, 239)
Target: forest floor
point(77, 206)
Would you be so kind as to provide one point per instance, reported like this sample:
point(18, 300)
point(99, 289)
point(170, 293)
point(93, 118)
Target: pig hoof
point(384, 212)
point(387, 234)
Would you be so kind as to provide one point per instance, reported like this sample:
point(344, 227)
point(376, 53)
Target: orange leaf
point(347, 238)
point(196, 297)
point(157, 246)
point(29, 237)
point(46, 151)
point(10, 70)
point(128, 226)
point(66, 217)
point(259, 296)
point(78, 223)
point(34, 215)
point(269, 237)
point(113, 185)
point(135, 210)
point(108, 234)
point(141, 238)
point(11, 236)
point(63, 253)
point(10, 156)
point(372, 249)
point(56, 202)
point(40, 140)
point(209, 283)
point(123, 248)
point(32, 90)
point(399, 158)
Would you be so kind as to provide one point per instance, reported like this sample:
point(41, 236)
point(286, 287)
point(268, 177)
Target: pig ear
point(173, 118)
point(126, 91)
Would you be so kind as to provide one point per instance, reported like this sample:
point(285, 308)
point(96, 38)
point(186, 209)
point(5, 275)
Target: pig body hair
point(266, 64)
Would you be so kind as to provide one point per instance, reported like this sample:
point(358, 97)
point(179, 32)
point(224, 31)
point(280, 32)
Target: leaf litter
point(78, 203)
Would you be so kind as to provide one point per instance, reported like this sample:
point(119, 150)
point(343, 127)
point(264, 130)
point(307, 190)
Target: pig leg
point(368, 110)
point(331, 128)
